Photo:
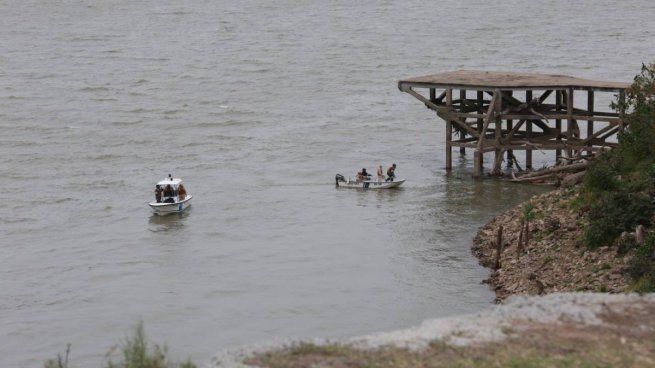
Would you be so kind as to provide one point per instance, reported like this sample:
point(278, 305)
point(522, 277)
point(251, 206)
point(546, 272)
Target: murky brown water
point(257, 105)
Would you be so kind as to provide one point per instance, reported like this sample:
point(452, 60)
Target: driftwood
point(557, 169)
point(533, 178)
point(572, 179)
point(565, 175)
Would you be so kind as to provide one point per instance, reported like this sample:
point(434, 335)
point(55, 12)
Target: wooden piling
point(449, 131)
point(499, 247)
point(462, 98)
point(510, 153)
point(570, 122)
point(519, 246)
point(528, 134)
point(526, 234)
point(590, 109)
point(558, 122)
point(478, 157)
point(498, 157)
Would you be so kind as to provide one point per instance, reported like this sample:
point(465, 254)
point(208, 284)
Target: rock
point(555, 258)
point(639, 234)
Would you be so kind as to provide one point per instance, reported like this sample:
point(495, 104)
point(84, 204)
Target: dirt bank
point(560, 329)
point(554, 258)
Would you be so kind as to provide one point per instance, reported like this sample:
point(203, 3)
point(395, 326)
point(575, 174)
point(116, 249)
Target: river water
point(256, 105)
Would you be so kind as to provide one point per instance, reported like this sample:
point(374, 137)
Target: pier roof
point(476, 79)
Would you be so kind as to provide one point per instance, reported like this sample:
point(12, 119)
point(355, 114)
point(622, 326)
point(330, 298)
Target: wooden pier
point(502, 112)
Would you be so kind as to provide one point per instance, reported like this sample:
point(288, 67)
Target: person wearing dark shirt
point(158, 193)
point(391, 173)
point(363, 175)
point(168, 191)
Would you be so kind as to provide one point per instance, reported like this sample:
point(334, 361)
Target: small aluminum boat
point(171, 202)
point(342, 182)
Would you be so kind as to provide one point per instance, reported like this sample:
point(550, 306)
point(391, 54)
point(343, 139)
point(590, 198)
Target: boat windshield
point(170, 187)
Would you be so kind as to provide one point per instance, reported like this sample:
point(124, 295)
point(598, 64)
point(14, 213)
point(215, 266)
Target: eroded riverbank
point(577, 329)
point(553, 259)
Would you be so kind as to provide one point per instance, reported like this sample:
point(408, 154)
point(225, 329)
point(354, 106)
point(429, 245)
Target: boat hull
point(371, 184)
point(168, 208)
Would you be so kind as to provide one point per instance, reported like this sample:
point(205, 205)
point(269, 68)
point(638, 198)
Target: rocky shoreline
point(554, 258)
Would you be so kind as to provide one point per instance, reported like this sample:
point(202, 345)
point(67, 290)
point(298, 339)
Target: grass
point(61, 361)
point(134, 352)
point(547, 352)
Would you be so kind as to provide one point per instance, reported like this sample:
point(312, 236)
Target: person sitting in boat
point(181, 192)
point(380, 173)
point(391, 173)
point(158, 193)
point(168, 191)
point(363, 175)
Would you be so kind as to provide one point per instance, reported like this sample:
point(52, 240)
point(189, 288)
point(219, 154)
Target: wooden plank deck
point(512, 118)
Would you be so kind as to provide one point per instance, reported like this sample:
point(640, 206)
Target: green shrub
point(637, 142)
point(619, 185)
point(644, 285)
point(641, 267)
point(614, 213)
point(528, 212)
point(60, 362)
point(602, 175)
point(135, 354)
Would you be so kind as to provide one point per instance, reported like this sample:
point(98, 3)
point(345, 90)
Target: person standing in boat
point(391, 173)
point(362, 175)
point(158, 193)
point(168, 191)
point(181, 192)
point(380, 173)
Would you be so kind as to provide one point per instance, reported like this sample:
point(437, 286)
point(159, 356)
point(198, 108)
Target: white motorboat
point(342, 182)
point(172, 201)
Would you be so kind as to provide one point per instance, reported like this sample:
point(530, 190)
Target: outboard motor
point(339, 178)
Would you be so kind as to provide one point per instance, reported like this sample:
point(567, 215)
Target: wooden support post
point(510, 153)
point(462, 98)
point(590, 108)
point(558, 122)
point(498, 158)
point(519, 246)
point(569, 121)
point(526, 234)
point(433, 95)
point(528, 134)
point(622, 110)
point(478, 159)
point(499, 247)
point(449, 131)
point(490, 115)
point(480, 105)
